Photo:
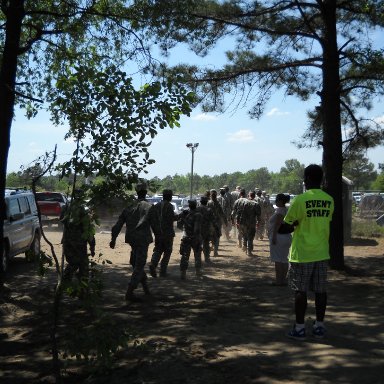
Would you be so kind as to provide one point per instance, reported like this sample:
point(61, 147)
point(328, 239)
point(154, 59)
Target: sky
point(229, 142)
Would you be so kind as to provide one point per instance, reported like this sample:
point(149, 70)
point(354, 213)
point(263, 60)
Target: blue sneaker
point(297, 335)
point(318, 332)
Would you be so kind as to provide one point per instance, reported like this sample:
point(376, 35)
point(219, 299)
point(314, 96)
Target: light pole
point(193, 148)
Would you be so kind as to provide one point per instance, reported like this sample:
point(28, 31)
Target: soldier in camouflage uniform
point(262, 224)
point(225, 203)
point(191, 222)
point(78, 232)
point(138, 235)
point(207, 227)
point(246, 213)
point(234, 196)
point(162, 217)
point(236, 215)
point(254, 216)
point(219, 219)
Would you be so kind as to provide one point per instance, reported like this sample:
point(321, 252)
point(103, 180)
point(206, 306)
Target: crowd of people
point(300, 259)
point(239, 214)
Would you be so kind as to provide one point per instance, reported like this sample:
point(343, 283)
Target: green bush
point(366, 228)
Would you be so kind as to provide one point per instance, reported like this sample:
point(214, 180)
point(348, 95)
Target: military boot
point(152, 270)
point(183, 275)
point(129, 295)
point(144, 283)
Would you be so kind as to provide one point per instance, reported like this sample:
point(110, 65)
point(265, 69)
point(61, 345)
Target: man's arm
point(117, 228)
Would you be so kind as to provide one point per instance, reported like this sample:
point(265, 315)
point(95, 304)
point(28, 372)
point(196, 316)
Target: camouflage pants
point(247, 235)
point(77, 259)
point(139, 254)
point(163, 246)
point(186, 245)
point(207, 247)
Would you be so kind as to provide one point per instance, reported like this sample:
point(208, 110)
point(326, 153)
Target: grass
point(366, 228)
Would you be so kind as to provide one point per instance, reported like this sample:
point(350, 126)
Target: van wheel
point(34, 250)
point(4, 259)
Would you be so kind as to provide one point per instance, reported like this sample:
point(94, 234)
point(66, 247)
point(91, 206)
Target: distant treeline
point(288, 180)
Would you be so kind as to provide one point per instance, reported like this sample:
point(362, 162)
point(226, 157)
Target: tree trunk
point(332, 139)
point(14, 14)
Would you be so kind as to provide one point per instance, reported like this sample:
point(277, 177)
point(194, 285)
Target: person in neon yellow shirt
point(311, 214)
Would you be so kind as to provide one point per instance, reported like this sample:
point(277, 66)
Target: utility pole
point(193, 148)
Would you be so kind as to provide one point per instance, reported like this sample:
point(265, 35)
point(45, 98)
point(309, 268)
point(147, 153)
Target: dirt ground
point(226, 327)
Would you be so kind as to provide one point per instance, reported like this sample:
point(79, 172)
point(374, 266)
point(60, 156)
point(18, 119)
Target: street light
point(193, 148)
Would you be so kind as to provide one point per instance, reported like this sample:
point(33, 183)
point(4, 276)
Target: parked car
point(22, 232)
point(51, 205)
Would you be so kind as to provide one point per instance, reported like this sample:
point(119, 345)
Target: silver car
point(21, 226)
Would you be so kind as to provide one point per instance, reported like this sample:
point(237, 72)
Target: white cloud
point(276, 112)
point(204, 117)
point(244, 135)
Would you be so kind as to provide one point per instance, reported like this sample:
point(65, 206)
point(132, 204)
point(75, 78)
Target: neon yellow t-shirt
point(313, 211)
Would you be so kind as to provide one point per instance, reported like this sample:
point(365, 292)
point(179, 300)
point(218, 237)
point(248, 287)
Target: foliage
point(305, 48)
point(91, 336)
point(113, 123)
point(360, 170)
point(378, 184)
point(282, 45)
point(366, 228)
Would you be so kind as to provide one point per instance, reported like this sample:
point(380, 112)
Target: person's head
point(213, 194)
point(203, 200)
point(251, 195)
point(242, 192)
point(226, 188)
point(258, 192)
point(192, 204)
point(167, 194)
point(282, 199)
point(222, 191)
point(141, 190)
point(238, 188)
point(264, 193)
point(313, 175)
point(208, 193)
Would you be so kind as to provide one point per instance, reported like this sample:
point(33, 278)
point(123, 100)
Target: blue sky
point(228, 142)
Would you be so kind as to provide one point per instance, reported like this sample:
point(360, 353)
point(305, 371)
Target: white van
point(21, 226)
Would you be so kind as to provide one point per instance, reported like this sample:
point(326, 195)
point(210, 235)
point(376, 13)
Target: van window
point(32, 203)
point(24, 205)
point(13, 205)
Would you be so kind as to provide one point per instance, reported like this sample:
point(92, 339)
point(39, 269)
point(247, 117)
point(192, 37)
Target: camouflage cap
point(141, 186)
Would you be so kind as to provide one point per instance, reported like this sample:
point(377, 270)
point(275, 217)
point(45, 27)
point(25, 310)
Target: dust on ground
point(228, 326)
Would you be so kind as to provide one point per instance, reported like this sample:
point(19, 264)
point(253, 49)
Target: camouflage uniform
point(78, 232)
point(162, 217)
point(234, 196)
point(207, 229)
point(225, 204)
point(138, 235)
point(262, 223)
point(219, 219)
point(191, 221)
point(246, 214)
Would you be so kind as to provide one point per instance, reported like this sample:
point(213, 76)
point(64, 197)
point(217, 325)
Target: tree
point(361, 171)
point(113, 123)
point(307, 48)
point(41, 39)
point(378, 184)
